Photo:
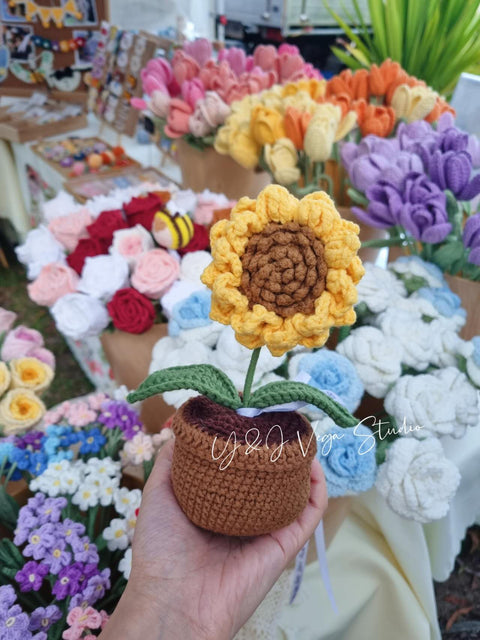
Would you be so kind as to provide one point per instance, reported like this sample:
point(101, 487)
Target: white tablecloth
point(382, 566)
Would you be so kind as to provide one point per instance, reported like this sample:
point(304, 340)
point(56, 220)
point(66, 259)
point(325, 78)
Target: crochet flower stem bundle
point(283, 273)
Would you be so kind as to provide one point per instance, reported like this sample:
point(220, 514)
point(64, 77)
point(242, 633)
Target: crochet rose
point(20, 409)
point(20, 342)
point(106, 224)
point(40, 248)
point(192, 266)
point(155, 271)
point(78, 316)
point(103, 276)
point(54, 281)
point(142, 210)
point(441, 403)
point(376, 357)
point(379, 288)
point(131, 243)
point(199, 241)
point(131, 311)
point(86, 248)
point(30, 373)
point(412, 333)
point(417, 480)
point(69, 229)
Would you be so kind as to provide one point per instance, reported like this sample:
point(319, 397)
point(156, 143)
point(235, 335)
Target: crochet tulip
point(295, 123)
point(378, 120)
point(471, 238)
point(450, 170)
point(184, 67)
point(192, 91)
point(367, 169)
point(235, 57)
point(200, 50)
point(424, 212)
point(385, 202)
point(178, 118)
point(282, 161)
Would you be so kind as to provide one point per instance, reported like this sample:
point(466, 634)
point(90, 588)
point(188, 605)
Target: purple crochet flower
point(33, 440)
point(471, 190)
point(424, 212)
point(84, 550)
point(40, 541)
point(44, 617)
point(121, 415)
point(25, 524)
point(31, 575)
point(68, 582)
point(51, 510)
point(7, 598)
point(471, 238)
point(72, 530)
point(58, 556)
point(452, 139)
point(385, 202)
point(367, 169)
point(450, 170)
point(97, 586)
point(416, 135)
point(14, 624)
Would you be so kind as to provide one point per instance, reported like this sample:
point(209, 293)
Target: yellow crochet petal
point(318, 212)
point(277, 204)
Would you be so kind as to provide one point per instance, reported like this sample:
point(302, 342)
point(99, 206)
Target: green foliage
point(434, 40)
point(8, 509)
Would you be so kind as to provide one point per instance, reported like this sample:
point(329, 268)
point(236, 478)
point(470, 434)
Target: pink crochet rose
point(20, 342)
point(131, 243)
point(69, 229)
point(178, 116)
point(200, 50)
point(184, 66)
point(155, 272)
point(54, 281)
point(192, 91)
point(7, 318)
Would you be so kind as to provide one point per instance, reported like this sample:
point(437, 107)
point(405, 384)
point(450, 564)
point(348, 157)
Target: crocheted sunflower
point(284, 271)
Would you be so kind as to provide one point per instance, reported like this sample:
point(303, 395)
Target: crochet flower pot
point(240, 476)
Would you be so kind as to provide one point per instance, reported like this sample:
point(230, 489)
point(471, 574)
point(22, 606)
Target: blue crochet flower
point(20, 457)
point(348, 460)
point(190, 313)
point(334, 374)
point(38, 463)
point(91, 441)
point(446, 302)
point(475, 356)
point(6, 448)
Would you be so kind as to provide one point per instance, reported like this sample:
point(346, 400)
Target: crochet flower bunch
point(105, 262)
point(420, 185)
point(191, 95)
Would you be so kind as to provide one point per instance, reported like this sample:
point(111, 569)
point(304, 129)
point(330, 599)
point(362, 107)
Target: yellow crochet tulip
point(413, 103)
point(346, 125)
point(315, 88)
point(20, 409)
point(4, 378)
point(284, 271)
point(266, 125)
point(30, 373)
point(300, 101)
point(282, 160)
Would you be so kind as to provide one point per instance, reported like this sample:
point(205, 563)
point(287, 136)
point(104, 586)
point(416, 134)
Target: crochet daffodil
point(284, 271)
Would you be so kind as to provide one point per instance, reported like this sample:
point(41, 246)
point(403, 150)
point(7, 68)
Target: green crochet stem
point(250, 373)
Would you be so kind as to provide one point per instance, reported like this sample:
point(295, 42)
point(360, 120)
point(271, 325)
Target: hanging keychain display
point(48, 15)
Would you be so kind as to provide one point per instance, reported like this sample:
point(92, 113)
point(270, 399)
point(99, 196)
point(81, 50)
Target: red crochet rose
point(199, 242)
point(86, 248)
point(106, 223)
point(142, 210)
point(131, 311)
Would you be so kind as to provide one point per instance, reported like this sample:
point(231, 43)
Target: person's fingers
point(317, 503)
point(160, 474)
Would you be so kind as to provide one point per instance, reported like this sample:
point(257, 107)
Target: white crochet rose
point(377, 358)
point(379, 288)
point(208, 334)
point(78, 315)
point(39, 249)
point(233, 359)
point(172, 352)
point(182, 202)
point(63, 204)
point(131, 243)
point(441, 403)
point(412, 333)
point(414, 267)
point(193, 265)
point(103, 276)
point(473, 370)
point(447, 345)
point(417, 480)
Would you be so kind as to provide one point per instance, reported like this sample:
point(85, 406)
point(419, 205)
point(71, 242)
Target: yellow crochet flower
point(20, 409)
point(30, 373)
point(282, 160)
point(284, 271)
point(413, 103)
point(315, 88)
point(266, 125)
point(300, 101)
point(4, 378)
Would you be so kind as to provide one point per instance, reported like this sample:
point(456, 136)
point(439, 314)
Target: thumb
point(160, 474)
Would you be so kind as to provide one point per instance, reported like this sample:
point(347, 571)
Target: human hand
point(190, 583)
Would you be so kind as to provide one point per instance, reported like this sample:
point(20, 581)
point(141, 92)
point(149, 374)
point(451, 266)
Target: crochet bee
point(172, 232)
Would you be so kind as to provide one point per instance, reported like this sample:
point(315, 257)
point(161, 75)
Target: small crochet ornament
point(172, 231)
point(283, 273)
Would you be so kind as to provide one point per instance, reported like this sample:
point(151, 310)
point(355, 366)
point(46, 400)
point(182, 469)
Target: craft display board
point(20, 126)
point(77, 150)
point(92, 185)
point(115, 77)
point(39, 45)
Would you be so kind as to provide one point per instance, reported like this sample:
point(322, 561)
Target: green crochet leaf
point(280, 392)
point(8, 509)
point(204, 378)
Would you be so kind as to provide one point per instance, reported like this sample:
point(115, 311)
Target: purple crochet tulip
point(424, 212)
point(367, 169)
point(385, 202)
point(471, 190)
point(408, 162)
point(416, 135)
point(450, 170)
point(453, 139)
point(471, 238)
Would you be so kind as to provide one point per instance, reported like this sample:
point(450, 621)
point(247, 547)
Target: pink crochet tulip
point(200, 50)
point(214, 109)
point(159, 104)
point(184, 66)
point(291, 49)
point(265, 56)
point(235, 57)
point(289, 66)
point(156, 76)
point(193, 91)
point(178, 116)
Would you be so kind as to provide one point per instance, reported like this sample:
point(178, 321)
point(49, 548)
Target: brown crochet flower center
point(284, 269)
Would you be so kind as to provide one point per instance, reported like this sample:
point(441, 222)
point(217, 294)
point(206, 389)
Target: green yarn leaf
point(281, 392)
point(204, 378)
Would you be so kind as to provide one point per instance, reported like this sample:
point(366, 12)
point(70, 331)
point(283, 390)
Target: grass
point(69, 381)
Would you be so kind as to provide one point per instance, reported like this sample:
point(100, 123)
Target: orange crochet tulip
point(295, 124)
point(359, 85)
point(440, 107)
point(373, 119)
point(377, 83)
point(341, 84)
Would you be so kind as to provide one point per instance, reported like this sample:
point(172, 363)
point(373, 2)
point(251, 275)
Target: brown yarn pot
point(253, 495)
